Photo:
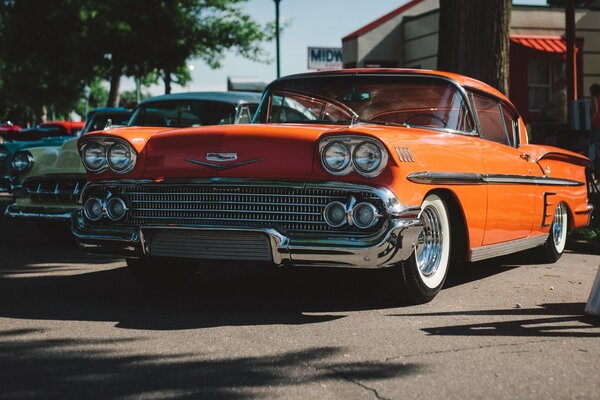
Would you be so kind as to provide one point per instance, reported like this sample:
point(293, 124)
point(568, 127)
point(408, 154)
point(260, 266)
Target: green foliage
point(128, 99)
point(51, 50)
point(97, 96)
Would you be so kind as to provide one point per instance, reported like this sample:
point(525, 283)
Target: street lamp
point(277, 36)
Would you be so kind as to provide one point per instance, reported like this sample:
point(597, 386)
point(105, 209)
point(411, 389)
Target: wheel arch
point(458, 225)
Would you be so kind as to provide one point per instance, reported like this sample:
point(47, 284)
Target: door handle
point(525, 156)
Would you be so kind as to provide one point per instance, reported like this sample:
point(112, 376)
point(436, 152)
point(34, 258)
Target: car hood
point(64, 160)
point(241, 151)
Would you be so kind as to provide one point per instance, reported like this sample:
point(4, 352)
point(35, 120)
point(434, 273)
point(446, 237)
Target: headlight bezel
point(353, 142)
point(346, 167)
point(85, 147)
point(30, 161)
point(108, 145)
point(132, 158)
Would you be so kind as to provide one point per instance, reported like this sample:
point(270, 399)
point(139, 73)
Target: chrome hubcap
point(558, 225)
point(429, 247)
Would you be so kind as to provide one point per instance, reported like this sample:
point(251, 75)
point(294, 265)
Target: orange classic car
point(408, 170)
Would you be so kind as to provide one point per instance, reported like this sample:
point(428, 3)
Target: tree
point(202, 28)
point(474, 39)
point(45, 65)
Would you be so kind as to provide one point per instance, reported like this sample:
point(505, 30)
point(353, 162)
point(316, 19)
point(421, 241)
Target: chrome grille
point(55, 188)
point(288, 209)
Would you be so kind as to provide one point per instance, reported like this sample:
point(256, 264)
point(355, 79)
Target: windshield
point(386, 99)
point(183, 113)
point(98, 121)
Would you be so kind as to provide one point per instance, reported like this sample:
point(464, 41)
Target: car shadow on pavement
point(98, 368)
point(564, 320)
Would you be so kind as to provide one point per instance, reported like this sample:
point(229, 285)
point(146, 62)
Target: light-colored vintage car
point(47, 179)
point(409, 170)
point(51, 178)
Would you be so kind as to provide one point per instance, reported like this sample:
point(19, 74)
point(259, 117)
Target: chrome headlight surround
point(22, 161)
point(108, 147)
point(354, 143)
point(127, 154)
point(100, 149)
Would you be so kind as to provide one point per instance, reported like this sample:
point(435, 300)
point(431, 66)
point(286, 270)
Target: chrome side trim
point(501, 249)
point(446, 178)
point(55, 214)
point(465, 178)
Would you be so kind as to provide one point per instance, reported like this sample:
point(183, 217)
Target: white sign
point(325, 58)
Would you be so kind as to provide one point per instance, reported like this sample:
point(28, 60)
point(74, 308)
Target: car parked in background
point(50, 134)
point(408, 170)
point(47, 179)
point(49, 187)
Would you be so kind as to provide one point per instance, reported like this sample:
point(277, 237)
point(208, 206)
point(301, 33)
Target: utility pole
point(277, 36)
point(571, 70)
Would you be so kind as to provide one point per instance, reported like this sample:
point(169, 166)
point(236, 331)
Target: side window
point(510, 122)
point(491, 120)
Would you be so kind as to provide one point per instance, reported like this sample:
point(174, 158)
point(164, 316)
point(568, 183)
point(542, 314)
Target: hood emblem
point(218, 167)
point(221, 157)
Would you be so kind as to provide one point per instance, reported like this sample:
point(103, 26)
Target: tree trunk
point(474, 39)
point(115, 84)
point(167, 79)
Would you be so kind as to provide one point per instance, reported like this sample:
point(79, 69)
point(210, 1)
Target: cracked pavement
point(73, 325)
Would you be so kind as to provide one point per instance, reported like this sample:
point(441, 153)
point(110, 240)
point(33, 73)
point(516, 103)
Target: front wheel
point(553, 249)
point(425, 271)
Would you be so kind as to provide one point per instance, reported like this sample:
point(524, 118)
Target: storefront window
point(542, 74)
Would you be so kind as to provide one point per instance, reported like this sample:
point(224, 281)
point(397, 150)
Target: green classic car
point(47, 180)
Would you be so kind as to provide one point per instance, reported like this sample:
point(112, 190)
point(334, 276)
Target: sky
point(310, 23)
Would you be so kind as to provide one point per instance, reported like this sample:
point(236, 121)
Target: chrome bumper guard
point(394, 244)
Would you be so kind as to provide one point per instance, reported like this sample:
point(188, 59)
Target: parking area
point(73, 325)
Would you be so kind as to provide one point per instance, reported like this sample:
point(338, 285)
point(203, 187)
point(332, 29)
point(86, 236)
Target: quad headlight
point(22, 161)
point(341, 155)
point(367, 157)
point(94, 156)
point(118, 156)
point(121, 158)
point(336, 156)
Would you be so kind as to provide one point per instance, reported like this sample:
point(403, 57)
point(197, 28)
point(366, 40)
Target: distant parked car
point(50, 186)
point(50, 135)
point(47, 179)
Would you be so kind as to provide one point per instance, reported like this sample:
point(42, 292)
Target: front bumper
point(394, 244)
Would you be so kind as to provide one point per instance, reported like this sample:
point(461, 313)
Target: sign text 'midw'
point(324, 58)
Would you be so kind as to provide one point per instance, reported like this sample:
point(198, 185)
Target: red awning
point(546, 44)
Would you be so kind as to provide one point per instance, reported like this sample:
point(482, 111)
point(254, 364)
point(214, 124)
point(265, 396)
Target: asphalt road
point(76, 326)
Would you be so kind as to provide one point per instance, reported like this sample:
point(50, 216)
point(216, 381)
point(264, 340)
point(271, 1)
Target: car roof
point(462, 80)
point(108, 110)
point(226, 97)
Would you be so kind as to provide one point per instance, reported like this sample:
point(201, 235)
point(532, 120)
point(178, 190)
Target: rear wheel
point(425, 271)
point(554, 247)
point(160, 274)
